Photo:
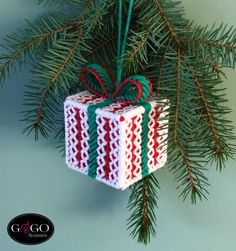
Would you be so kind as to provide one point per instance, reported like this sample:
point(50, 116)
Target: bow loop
point(134, 89)
point(97, 80)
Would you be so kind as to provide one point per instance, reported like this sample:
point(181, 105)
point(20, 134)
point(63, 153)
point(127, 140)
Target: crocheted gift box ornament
point(115, 133)
point(125, 151)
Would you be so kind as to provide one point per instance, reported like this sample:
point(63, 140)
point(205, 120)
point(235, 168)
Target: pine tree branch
point(169, 26)
point(189, 174)
point(54, 79)
point(217, 44)
point(162, 64)
point(214, 140)
point(50, 80)
point(30, 47)
point(183, 155)
point(212, 43)
point(207, 110)
point(61, 2)
point(215, 68)
point(134, 53)
point(72, 50)
point(142, 203)
point(177, 97)
point(102, 45)
point(188, 167)
point(37, 40)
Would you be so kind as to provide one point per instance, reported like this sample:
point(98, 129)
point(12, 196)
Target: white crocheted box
point(119, 139)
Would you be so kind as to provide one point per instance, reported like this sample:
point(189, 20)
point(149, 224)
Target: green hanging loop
point(122, 44)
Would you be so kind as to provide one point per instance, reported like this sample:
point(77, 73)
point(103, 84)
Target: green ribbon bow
point(99, 82)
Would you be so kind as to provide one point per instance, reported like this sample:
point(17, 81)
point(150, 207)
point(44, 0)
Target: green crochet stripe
point(93, 136)
point(129, 93)
point(144, 146)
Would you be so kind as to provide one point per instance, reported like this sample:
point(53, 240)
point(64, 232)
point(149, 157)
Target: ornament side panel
point(119, 143)
point(157, 136)
point(77, 130)
point(162, 133)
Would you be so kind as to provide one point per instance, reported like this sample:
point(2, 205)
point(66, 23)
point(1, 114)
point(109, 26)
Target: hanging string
point(122, 44)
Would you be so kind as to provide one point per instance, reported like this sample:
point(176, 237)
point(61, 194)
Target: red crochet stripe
point(133, 147)
point(78, 137)
point(156, 144)
point(117, 109)
point(90, 99)
point(107, 149)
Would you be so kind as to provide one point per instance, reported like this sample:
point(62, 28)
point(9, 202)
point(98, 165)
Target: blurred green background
point(91, 216)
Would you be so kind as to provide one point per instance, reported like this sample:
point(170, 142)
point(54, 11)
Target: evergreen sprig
point(184, 61)
point(142, 204)
point(61, 2)
point(216, 45)
point(34, 39)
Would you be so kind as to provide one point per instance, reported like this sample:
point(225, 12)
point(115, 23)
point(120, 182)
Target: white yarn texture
point(121, 166)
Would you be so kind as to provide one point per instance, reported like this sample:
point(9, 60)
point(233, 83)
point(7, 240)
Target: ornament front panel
point(119, 142)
